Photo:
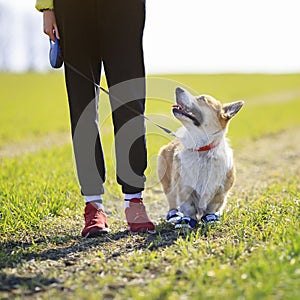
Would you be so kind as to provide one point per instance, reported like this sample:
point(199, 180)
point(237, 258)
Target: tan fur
point(198, 182)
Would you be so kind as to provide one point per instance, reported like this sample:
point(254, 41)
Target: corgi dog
point(196, 169)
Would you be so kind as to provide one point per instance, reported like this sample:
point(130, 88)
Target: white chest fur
point(205, 172)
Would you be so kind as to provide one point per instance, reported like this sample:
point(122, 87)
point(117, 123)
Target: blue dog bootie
point(55, 54)
point(173, 216)
point(210, 219)
point(186, 222)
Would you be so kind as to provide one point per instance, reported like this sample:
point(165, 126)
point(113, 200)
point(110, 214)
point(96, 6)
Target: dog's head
point(203, 111)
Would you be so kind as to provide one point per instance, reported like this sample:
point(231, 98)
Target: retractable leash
point(168, 131)
point(55, 55)
point(56, 61)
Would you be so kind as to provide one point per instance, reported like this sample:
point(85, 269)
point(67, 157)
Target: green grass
point(35, 104)
point(253, 254)
point(31, 106)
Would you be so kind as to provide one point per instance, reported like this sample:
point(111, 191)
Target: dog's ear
point(231, 109)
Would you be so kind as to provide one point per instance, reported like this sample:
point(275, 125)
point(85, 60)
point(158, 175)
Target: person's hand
point(50, 26)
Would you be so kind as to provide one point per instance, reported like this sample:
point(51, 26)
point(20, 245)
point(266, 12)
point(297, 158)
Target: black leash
point(168, 131)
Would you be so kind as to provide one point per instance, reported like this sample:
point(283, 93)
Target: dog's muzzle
point(180, 110)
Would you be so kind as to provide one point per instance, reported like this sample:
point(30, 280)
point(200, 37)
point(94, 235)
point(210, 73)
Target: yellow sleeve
point(43, 4)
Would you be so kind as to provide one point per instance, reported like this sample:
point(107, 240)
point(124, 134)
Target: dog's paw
point(210, 219)
point(173, 216)
point(186, 222)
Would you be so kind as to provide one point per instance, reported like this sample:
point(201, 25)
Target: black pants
point(108, 32)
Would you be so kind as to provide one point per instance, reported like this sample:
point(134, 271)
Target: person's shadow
point(12, 256)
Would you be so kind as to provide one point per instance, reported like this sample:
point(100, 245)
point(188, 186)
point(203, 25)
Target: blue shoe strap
point(173, 213)
point(188, 220)
point(210, 218)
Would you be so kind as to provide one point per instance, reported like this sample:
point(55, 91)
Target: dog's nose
point(179, 90)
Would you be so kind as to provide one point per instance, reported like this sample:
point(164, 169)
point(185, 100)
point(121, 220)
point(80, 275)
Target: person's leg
point(124, 67)
point(78, 30)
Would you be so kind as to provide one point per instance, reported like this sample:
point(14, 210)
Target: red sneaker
point(137, 218)
point(95, 221)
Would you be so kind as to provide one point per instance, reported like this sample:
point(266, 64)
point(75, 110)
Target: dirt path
point(271, 98)
point(272, 158)
point(34, 145)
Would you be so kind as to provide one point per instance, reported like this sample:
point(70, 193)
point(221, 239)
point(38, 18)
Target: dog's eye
point(202, 99)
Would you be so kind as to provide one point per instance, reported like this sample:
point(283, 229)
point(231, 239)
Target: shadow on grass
point(69, 252)
point(25, 286)
point(70, 247)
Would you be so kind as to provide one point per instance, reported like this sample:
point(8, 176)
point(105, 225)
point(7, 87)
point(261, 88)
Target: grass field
point(253, 254)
